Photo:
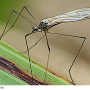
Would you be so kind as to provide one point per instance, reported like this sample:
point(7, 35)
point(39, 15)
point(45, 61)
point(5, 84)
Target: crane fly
point(46, 24)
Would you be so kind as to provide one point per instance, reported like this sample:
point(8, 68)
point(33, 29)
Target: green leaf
point(8, 79)
point(38, 70)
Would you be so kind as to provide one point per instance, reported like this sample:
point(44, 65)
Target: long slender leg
point(29, 49)
point(30, 13)
point(76, 57)
point(29, 54)
point(33, 45)
point(19, 14)
point(48, 56)
point(84, 38)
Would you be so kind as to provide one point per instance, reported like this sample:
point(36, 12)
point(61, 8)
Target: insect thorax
point(44, 25)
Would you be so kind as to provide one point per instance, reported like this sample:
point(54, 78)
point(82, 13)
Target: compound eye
point(35, 29)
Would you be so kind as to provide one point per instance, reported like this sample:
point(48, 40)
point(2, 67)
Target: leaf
point(38, 70)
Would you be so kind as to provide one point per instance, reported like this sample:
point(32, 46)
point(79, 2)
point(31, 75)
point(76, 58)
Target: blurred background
point(63, 49)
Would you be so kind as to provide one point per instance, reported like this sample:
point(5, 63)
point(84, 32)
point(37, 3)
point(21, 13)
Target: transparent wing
point(76, 15)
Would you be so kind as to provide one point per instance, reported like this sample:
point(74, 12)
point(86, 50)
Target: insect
point(46, 24)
